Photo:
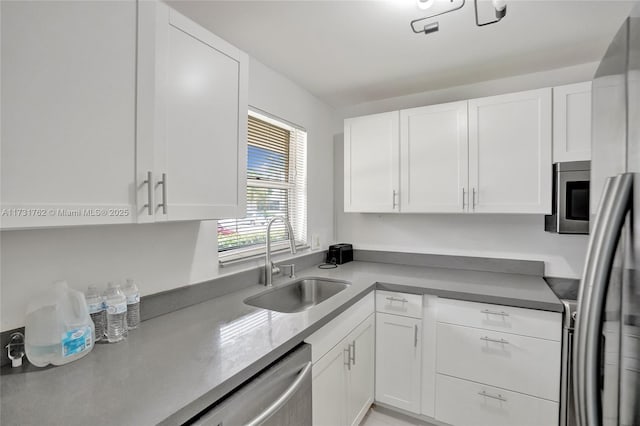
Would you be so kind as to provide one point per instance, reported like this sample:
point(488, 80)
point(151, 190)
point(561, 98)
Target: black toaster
point(340, 253)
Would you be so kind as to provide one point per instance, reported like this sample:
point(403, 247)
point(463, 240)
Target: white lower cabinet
point(398, 361)
point(520, 363)
point(360, 372)
point(329, 388)
point(343, 376)
point(448, 360)
point(465, 403)
point(429, 340)
point(343, 379)
point(490, 377)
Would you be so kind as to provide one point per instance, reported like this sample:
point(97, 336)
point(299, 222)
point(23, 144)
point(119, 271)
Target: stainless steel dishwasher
point(279, 396)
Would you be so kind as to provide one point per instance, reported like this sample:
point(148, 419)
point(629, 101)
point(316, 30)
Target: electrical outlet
point(315, 241)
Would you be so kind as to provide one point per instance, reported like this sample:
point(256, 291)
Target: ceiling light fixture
point(500, 7)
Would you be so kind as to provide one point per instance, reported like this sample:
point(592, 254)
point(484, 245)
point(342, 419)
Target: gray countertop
point(175, 365)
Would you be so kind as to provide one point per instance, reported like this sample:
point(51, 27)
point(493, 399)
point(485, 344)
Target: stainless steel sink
point(297, 296)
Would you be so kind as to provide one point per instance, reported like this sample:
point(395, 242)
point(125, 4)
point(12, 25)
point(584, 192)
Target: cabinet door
point(68, 113)
point(371, 163)
point(329, 387)
point(199, 125)
point(361, 374)
point(398, 359)
point(572, 122)
point(510, 153)
point(429, 339)
point(434, 159)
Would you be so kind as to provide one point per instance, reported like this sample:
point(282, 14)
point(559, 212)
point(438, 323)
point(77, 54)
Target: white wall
point(536, 80)
point(168, 255)
point(504, 236)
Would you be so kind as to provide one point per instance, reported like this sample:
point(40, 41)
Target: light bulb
point(425, 4)
point(499, 5)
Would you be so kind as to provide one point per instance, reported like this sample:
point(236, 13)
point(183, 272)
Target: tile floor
point(377, 418)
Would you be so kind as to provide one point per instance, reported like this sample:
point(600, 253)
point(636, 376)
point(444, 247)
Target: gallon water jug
point(58, 327)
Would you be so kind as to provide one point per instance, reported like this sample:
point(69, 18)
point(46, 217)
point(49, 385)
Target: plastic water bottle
point(97, 311)
point(116, 303)
point(133, 304)
point(58, 328)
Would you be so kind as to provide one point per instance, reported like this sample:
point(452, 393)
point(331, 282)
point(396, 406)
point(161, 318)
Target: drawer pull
point(488, 339)
point(396, 299)
point(490, 312)
point(498, 397)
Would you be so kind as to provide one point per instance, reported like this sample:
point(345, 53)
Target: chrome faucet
point(269, 267)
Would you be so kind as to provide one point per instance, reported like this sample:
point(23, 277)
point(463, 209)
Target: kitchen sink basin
point(298, 295)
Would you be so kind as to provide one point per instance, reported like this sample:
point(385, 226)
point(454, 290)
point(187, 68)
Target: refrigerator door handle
point(615, 203)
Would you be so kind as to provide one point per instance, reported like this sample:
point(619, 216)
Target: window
point(276, 186)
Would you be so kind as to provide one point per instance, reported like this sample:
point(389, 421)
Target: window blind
point(276, 186)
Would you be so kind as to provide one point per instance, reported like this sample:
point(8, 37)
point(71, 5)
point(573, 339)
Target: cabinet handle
point(415, 336)
point(394, 198)
point(490, 312)
point(474, 199)
point(501, 341)
point(463, 198)
point(499, 397)
point(163, 182)
point(348, 362)
point(396, 299)
point(149, 183)
point(353, 355)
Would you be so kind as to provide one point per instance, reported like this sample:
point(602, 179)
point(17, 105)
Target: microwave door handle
point(610, 219)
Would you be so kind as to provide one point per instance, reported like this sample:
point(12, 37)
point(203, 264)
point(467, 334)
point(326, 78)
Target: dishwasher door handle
point(282, 399)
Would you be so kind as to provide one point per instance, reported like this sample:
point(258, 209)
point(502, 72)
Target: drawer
point(463, 403)
point(391, 302)
point(528, 322)
point(519, 363)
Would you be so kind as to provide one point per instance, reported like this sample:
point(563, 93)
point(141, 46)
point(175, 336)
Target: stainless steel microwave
point(570, 198)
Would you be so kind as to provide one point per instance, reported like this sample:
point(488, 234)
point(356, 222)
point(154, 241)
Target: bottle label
point(94, 308)
point(116, 309)
point(134, 298)
point(76, 341)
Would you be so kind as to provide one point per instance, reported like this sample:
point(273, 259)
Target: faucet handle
point(292, 269)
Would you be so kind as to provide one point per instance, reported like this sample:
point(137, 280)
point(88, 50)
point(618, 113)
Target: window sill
point(244, 256)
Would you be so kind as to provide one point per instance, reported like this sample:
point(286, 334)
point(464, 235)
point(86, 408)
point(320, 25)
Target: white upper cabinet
point(371, 163)
point(489, 155)
point(434, 159)
point(193, 119)
point(68, 113)
point(510, 153)
point(572, 122)
point(118, 112)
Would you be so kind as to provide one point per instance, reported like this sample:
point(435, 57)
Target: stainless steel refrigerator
point(606, 356)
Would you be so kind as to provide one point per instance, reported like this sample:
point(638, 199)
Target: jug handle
point(78, 301)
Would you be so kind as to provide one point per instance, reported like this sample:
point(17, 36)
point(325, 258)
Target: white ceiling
point(350, 52)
